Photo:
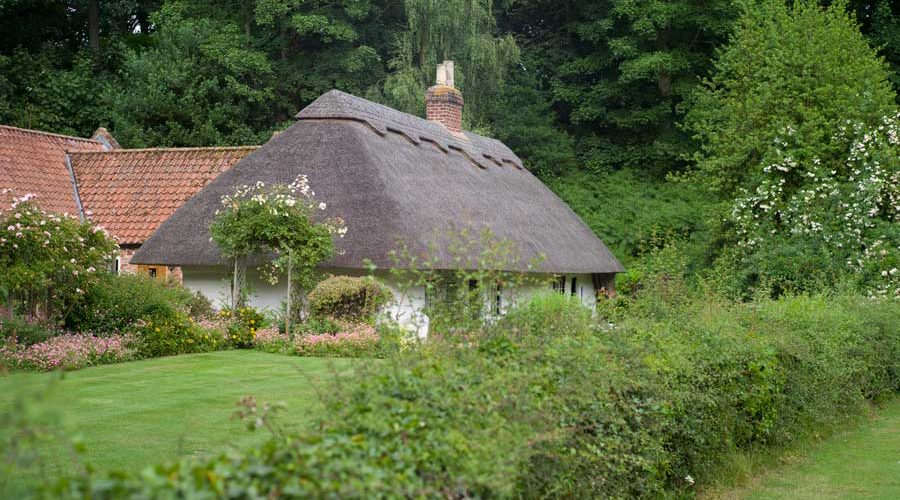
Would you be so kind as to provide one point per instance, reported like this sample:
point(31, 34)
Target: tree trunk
point(287, 315)
point(94, 26)
point(236, 286)
point(9, 305)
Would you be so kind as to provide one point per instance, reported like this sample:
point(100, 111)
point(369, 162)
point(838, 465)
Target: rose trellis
point(275, 223)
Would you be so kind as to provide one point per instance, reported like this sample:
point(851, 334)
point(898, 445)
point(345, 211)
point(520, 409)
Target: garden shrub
point(117, 302)
point(349, 298)
point(176, 334)
point(316, 325)
point(535, 407)
point(355, 340)
point(21, 331)
point(242, 325)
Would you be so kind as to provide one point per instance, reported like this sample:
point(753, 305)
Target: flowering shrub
point(848, 213)
point(177, 334)
point(355, 341)
point(41, 251)
point(242, 325)
point(352, 340)
point(69, 351)
point(272, 340)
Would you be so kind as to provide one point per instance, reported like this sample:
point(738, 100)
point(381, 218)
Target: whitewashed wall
point(406, 309)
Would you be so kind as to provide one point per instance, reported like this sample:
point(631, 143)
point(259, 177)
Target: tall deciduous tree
point(198, 85)
point(618, 70)
point(799, 136)
point(462, 30)
point(797, 68)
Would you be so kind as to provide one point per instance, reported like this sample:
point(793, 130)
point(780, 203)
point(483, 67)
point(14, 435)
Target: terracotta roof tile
point(35, 162)
point(130, 192)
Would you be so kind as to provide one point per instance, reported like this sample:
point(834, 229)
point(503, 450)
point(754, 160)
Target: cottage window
point(498, 299)
point(151, 271)
point(559, 284)
point(574, 279)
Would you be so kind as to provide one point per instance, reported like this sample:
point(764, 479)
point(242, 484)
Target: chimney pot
point(441, 77)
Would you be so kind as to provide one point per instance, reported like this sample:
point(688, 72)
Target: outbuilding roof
point(130, 192)
point(35, 162)
point(397, 180)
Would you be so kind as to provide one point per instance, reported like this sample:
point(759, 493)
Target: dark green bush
point(24, 332)
point(117, 302)
point(549, 403)
point(349, 298)
point(316, 325)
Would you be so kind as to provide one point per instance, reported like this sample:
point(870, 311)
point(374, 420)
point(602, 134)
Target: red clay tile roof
point(35, 162)
point(130, 192)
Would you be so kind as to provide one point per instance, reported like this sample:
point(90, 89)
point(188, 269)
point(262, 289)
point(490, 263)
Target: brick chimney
point(443, 101)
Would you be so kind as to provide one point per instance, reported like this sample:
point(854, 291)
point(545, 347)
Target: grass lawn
point(860, 463)
point(131, 415)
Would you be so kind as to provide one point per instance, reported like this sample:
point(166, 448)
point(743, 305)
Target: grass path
point(131, 415)
point(860, 463)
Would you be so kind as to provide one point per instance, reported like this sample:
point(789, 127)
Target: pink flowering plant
point(69, 352)
point(348, 340)
point(48, 260)
point(355, 340)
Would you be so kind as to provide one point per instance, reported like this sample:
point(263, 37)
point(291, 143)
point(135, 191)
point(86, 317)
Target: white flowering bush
point(845, 212)
point(48, 260)
point(281, 221)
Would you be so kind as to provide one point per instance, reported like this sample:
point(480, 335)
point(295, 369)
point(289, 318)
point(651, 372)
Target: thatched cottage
point(396, 179)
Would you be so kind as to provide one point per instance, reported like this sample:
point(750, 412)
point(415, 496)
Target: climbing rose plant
point(48, 258)
point(851, 208)
point(277, 220)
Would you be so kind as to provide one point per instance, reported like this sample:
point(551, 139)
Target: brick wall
point(125, 266)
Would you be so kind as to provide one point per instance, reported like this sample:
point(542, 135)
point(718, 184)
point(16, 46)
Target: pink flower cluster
point(356, 340)
point(270, 336)
point(70, 351)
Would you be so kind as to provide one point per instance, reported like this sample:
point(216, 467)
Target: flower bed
point(357, 340)
point(353, 341)
point(70, 351)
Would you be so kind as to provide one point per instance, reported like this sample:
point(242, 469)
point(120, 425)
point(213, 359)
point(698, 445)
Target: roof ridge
point(339, 105)
point(50, 134)
point(175, 149)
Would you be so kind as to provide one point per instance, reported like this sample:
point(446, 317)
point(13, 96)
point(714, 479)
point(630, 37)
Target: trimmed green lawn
point(131, 415)
point(860, 463)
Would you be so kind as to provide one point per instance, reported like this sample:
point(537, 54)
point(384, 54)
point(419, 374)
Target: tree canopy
point(587, 92)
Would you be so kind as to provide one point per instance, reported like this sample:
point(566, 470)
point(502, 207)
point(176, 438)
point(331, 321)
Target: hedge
point(535, 407)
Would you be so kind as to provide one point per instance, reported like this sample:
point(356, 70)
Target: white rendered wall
point(406, 309)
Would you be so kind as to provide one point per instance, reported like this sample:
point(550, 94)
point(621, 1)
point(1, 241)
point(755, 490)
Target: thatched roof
point(393, 178)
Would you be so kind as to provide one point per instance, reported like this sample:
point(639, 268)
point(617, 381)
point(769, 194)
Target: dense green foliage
point(117, 303)
point(536, 406)
point(602, 99)
point(799, 135)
